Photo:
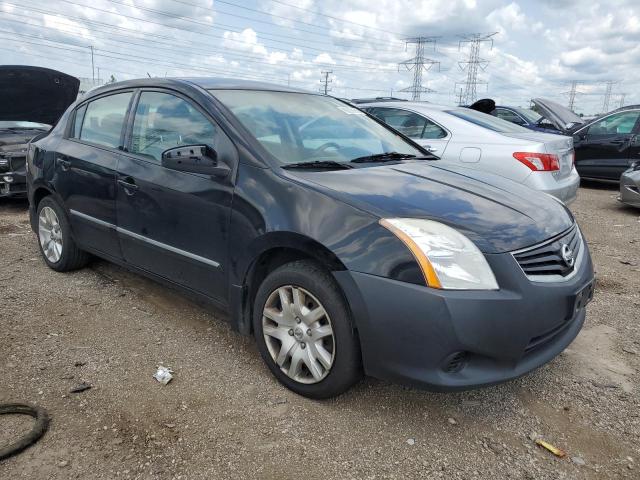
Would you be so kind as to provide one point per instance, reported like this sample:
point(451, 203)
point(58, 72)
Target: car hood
point(498, 215)
point(35, 94)
point(561, 117)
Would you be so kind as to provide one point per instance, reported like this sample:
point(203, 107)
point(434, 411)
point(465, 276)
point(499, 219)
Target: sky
point(538, 49)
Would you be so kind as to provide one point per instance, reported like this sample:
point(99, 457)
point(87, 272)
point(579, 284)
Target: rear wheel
point(304, 331)
point(57, 246)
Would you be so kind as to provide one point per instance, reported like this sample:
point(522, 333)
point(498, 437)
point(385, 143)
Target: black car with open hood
point(32, 99)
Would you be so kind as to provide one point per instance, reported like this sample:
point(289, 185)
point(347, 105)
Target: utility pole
point(460, 97)
point(607, 95)
point(326, 81)
point(419, 64)
point(93, 69)
point(473, 64)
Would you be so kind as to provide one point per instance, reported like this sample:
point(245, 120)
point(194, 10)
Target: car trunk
point(558, 145)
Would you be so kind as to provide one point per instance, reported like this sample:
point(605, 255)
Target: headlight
point(447, 258)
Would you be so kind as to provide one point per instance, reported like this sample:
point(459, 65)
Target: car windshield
point(487, 121)
point(19, 124)
point(300, 127)
point(529, 114)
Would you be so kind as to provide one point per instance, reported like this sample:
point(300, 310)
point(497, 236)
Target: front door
point(86, 162)
point(170, 223)
point(604, 148)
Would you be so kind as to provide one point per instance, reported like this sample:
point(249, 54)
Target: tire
point(68, 256)
point(313, 363)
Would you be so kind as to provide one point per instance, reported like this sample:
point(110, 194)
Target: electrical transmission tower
point(622, 95)
point(473, 64)
point(326, 81)
point(572, 94)
point(607, 95)
point(419, 64)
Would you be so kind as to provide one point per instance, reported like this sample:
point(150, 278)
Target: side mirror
point(194, 159)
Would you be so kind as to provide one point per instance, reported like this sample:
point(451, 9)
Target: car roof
point(208, 83)
point(408, 105)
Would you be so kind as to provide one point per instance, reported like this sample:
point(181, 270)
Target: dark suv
point(340, 244)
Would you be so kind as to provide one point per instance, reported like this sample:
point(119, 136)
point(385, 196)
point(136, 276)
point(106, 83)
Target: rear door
point(605, 148)
point(170, 223)
point(86, 161)
point(422, 130)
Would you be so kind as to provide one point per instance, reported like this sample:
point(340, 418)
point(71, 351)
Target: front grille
point(546, 259)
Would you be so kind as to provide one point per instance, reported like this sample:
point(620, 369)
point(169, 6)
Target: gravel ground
point(224, 416)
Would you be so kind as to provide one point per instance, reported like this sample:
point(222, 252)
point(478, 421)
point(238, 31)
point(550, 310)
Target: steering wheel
point(324, 146)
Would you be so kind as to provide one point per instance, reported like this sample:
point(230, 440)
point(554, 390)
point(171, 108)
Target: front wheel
point(304, 331)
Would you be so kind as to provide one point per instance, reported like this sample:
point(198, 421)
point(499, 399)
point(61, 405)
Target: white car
point(478, 141)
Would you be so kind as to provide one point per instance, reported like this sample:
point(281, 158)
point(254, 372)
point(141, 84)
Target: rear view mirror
point(194, 159)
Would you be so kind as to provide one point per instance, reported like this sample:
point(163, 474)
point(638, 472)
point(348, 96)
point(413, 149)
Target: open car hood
point(561, 117)
point(35, 94)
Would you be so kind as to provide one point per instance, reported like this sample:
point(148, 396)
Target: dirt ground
point(225, 416)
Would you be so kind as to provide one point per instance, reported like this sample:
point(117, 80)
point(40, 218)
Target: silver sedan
point(482, 142)
point(630, 186)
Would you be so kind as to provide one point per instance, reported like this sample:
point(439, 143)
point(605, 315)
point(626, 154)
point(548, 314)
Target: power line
point(473, 64)
point(419, 64)
point(217, 26)
point(326, 81)
point(367, 40)
point(334, 18)
point(228, 52)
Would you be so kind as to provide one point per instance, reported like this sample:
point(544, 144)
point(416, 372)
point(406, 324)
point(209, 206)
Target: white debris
point(163, 375)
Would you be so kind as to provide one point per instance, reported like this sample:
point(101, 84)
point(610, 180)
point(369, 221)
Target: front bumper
point(13, 184)
point(630, 188)
point(565, 189)
point(413, 335)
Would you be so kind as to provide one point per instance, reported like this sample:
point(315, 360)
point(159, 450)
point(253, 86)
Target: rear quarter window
point(103, 120)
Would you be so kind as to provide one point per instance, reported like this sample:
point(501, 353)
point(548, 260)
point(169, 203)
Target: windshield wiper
point(320, 164)
point(383, 157)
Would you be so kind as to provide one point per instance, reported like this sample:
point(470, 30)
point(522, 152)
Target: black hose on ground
point(41, 425)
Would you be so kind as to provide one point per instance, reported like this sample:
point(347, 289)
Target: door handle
point(128, 185)
point(429, 148)
point(65, 165)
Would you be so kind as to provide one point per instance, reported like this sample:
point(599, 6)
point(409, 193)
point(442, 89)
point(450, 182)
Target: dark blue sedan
point(342, 246)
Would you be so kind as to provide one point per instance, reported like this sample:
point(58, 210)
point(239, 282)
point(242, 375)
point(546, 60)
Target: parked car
point(606, 146)
point(482, 142)
point(31, 100)
point(525, 117)
point(630, 186)
point(341, 245)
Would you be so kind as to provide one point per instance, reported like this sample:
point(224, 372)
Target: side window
point(619, 123)
point(409, 123)
point(165, 121)
point(509, 116)
point(77, 122)
point(103, 120)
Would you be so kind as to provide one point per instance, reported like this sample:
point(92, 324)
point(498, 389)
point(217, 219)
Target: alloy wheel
point(50, 234)
point(298, 333)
